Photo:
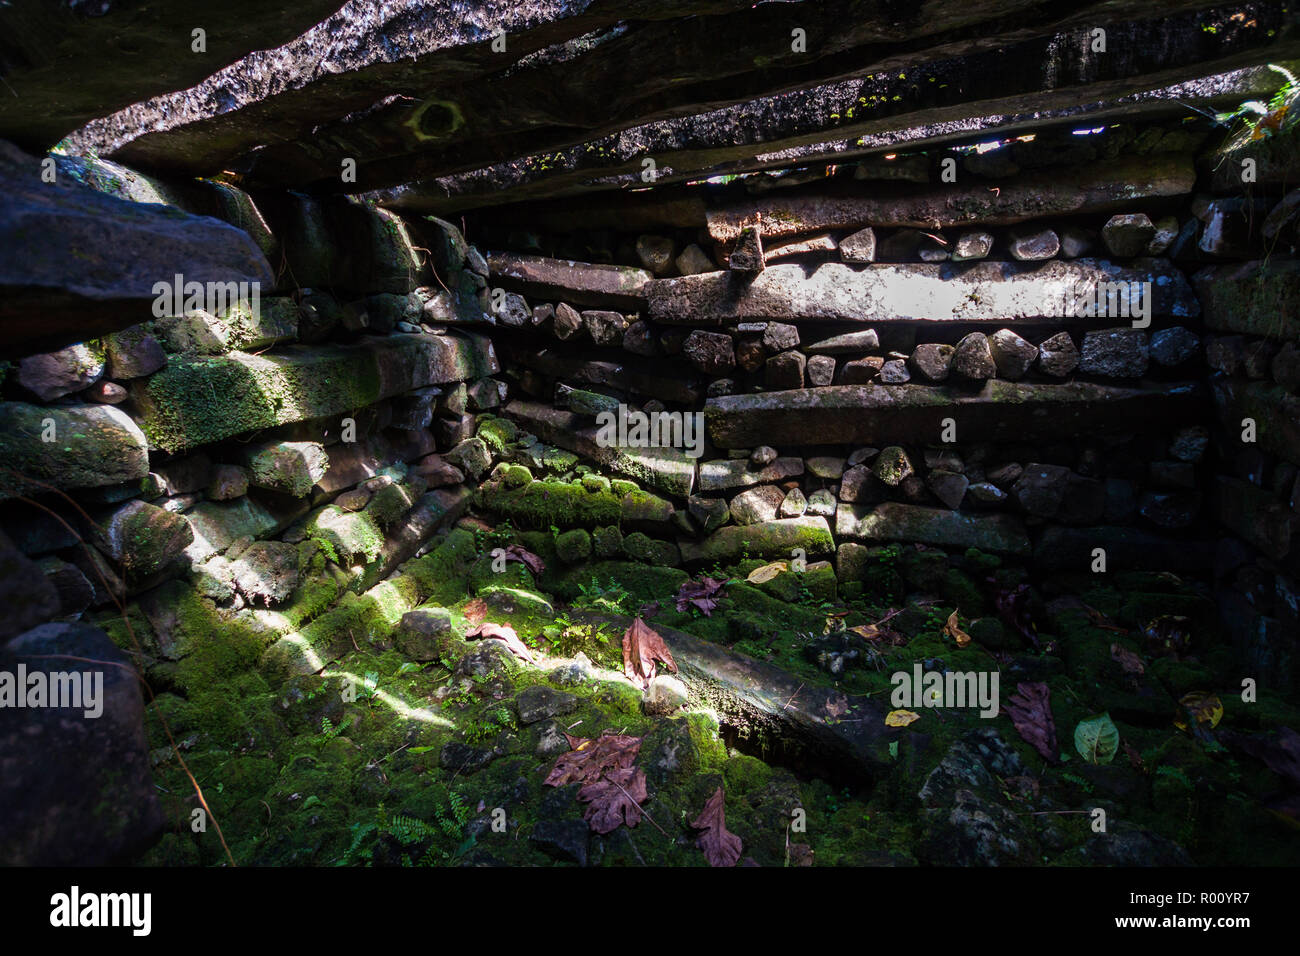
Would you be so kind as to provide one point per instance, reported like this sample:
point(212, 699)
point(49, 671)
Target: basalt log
point(68, 63)
point(87, 263)
point(1097, 188)
point(995, 292)
point(421, 104)
point(194, 400)
point(580, 283)
point(999, 411)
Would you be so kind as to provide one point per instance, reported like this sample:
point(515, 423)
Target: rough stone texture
point(144, 539)
point(694, 261)
point(949, 487)
point(1115, 353)
point(133, 353)
point(1033, 245)
point(867, 340)
point(1252, 297)
point(710, 352)
point(769, 539)
point(984, 292)
point(859, 247)
point(92, 446)
point(296, 383)
point(121, 250)
point(604, 327)
point(69, 75)
point(972, 359)
point(267, 572)
point(1012, 354)
point(1058, 356)
point(821, 369)
point(932, 360)
point(1000, 411)
point(288, 467)
point(756, 505)
point(582, 283)
point(568, 322)
point(1172, 347)
point(54, 374)
point(785, 370)
point(731, 473)
point(892, 521)
point(747, 256)
point(1128, 235)
point(656, 254)
point(975, 244)
point(93, 803)
point(29, 596)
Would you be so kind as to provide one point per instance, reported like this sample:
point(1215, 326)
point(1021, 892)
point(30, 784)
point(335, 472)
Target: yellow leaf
point(1204, 707)
point(766, 573)
point(900, 718)
point(868, 631)
point(955, 632)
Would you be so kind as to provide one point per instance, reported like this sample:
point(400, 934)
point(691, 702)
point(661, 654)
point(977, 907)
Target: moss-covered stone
point(573, 546)
point(607, 542)
point(88, 447)
point(194, 401)
point(644, 548)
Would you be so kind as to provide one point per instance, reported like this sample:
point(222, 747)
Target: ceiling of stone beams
point(66, 63)
point(437, 120)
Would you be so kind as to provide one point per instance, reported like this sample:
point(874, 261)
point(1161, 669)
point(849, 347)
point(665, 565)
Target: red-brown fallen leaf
point(1134, 758)
point(506, 634)
point(1030, 711)
point(1130, 662)
point(517, 552)
point(721, 847)
point(613, 798)
point(590, 758)
point(475, 611)
point(642, 647)
point(700, 594)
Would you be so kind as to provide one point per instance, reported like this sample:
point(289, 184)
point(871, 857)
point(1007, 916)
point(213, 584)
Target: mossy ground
point(378, 759)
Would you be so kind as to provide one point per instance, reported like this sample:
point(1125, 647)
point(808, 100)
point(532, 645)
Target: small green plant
point(611, 597)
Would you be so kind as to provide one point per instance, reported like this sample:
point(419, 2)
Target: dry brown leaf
point(642, 648)
point(766, 573)
point(588, 759)
point(701, 594)
point(614, 798)
point(506, 634)
point(1130, 662)
point(517, 552)
point(1030, 710)
point(721, 847)
point(475, 611)
point(956, 633)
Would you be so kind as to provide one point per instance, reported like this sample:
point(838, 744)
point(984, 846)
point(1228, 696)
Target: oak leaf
point(642, 648)
point(721, 847)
